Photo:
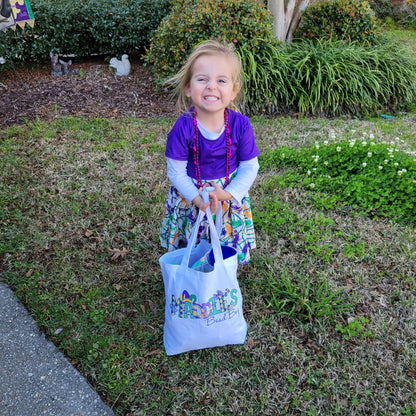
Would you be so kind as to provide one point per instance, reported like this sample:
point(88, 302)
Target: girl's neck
point(213, 122)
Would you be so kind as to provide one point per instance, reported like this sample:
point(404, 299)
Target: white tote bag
point(204, 305)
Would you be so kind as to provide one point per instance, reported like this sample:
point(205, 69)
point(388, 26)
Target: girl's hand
point(213, 200)
point(220, 194)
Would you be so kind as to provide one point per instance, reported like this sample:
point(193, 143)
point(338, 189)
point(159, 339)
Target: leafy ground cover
point(329, 296)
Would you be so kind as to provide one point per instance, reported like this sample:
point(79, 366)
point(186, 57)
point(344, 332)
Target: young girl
point(210, 145)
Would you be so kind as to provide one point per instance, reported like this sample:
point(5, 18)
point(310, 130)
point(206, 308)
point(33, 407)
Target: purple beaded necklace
point(195, 146)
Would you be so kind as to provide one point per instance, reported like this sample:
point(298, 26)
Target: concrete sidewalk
point(35, 379)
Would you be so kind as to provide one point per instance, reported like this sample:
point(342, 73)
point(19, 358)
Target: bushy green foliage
point(374, 177)
point(84, 27)
point(328, 78)
point(403, 13)
point(382, 8)
point(243, 22)
point(351, 20)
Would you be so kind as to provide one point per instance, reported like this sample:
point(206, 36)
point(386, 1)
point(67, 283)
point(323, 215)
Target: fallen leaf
point(116, 253)
point(88, 233)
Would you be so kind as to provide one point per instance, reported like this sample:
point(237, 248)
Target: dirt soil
point(27, 93)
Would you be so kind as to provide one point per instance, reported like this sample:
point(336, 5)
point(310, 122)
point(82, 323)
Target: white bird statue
point(122, 67)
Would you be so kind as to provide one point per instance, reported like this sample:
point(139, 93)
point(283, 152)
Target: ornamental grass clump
point(328, 78)
point(376, 178)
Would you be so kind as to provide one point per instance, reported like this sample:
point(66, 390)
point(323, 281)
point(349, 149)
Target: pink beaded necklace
point(195, 146)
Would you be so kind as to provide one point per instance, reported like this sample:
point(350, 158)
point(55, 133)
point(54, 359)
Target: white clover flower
point(283, 155)
point(312, 185)
point(317, 146)
point(364, 164)
point(404, 170)
point(364, 133)
point(369, 154)
point(352, 143)
point(386, 161)
point(380, 167)
point(326, 163)
point(397, 139)
point(338, 149)
point(399, 172)
point(392, 156)
point(314, 169)
point(326, 142)
point(364, 143)
point(353, 131)
point(372, 144)
point(2, 60)
point(308, 172)
point(371, 136)
point(396, 164)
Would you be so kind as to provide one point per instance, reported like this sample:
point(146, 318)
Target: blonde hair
point(210, 47)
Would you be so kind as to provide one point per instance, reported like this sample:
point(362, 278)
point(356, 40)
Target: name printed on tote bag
point(187, 306)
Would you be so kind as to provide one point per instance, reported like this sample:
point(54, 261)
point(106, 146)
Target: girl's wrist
point(226, 196)
point(198, 201)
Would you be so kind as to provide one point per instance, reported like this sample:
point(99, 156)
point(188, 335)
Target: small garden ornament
point(122, 67)
point(66, 70)
point(56, 66)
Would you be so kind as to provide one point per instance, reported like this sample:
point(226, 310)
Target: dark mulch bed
point(28, 93)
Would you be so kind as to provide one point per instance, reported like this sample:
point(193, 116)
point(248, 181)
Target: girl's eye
point(201, 79)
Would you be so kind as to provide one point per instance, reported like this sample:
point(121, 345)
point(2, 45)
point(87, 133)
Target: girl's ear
point(236, 90)
point(188, 90)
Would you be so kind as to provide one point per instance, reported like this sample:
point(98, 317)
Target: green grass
point(329, 295)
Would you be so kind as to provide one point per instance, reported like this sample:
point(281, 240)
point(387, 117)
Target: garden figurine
point(66, 70)
point(122, 67)
point(210, 145)
point(56, 66)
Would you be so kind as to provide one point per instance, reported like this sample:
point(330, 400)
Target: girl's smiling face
point(212, 86)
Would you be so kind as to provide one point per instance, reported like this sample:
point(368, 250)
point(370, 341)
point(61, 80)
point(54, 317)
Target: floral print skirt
point(237, 224)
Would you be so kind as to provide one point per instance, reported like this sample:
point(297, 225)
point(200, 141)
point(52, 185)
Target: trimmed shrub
point(402, 12)
point(348, 20)
point(244, 22)
point(84, 27)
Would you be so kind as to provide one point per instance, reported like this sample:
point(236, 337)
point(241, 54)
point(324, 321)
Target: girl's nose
point(211, 85)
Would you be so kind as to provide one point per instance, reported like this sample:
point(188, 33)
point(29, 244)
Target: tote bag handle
point(215, 241)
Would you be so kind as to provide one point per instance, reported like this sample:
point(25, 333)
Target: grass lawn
point(329, 295)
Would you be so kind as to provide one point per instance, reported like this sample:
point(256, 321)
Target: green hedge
point(242, 22)
point(349, 20)
point(84, 27)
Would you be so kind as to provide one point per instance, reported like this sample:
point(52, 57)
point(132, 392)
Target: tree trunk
point(286, 16)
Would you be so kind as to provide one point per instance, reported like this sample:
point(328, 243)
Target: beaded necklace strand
point(195, 146)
